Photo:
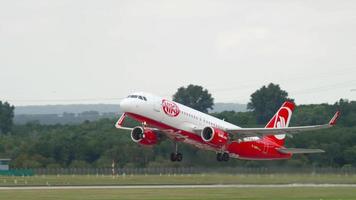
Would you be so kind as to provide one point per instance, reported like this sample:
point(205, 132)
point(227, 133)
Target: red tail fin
point(281, 119)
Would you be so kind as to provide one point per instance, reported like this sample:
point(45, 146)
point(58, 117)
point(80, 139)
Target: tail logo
point(282, 120)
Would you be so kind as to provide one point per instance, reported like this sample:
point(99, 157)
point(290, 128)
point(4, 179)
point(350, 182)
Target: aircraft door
point(157, 110)
point(157, 105)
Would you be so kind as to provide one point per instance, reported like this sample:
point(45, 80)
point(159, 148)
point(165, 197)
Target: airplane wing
point(251, 132)
point(120, 122)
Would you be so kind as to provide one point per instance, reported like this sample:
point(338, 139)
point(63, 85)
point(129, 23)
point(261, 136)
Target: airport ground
point(254, 186)
point(177, 179)
point(300, 193)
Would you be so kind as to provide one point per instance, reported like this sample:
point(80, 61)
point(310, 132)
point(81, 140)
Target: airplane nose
point(123, 104)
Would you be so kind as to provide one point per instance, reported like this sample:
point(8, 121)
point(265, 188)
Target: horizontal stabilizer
point(299, 151)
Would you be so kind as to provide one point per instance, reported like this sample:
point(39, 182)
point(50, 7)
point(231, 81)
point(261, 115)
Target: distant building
point(4, 164)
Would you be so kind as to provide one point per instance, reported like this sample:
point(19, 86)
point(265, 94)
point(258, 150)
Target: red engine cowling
point(214, 136)
point(145, 137)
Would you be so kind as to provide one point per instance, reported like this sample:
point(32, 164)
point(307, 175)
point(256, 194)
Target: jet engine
point(214, 136)
point(145, 137)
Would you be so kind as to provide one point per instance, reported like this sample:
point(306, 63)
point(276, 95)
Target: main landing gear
point(222, 157)
point(176, 156)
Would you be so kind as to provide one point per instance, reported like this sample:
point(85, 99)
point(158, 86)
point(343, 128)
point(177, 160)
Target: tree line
point(6, 117)
point(98, 143)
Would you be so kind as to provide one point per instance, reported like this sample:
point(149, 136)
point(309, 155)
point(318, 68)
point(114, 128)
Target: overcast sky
point(81, 51)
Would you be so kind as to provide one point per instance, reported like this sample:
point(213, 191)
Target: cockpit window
point(137, 97)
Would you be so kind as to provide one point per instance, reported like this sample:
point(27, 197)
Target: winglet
point(121, 120)
point(335, 118)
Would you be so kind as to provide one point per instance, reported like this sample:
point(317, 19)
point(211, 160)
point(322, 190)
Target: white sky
point(81, 51)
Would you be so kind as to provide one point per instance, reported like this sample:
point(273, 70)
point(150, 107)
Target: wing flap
point(299, 151)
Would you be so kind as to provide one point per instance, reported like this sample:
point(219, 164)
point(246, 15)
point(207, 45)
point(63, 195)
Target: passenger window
point(144, 98)
point(140, 97)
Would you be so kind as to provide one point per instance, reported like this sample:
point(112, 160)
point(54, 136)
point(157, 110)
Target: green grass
point(177, 179)
point(295, 193)
point(186, 194)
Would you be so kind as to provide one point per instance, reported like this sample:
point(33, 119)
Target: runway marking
point(174, 186)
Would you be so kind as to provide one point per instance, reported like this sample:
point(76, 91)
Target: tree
point(6, 117)
point(97, 143)
point(265, 101)
point(195, 97)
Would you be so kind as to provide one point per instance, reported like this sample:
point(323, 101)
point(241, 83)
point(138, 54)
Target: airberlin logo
point(282, 120)
point(282, 117)
point(170, 108)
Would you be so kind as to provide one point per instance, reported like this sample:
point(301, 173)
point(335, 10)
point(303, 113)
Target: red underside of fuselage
point(263, 149)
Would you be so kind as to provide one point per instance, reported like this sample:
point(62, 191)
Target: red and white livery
point(164, 118)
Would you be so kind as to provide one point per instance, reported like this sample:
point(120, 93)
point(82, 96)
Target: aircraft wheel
point(179, 157)
point(173, 157)
point(219, 157)
point(225, 157)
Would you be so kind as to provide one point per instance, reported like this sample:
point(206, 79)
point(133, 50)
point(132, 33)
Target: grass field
point(293, 193)
point(177, 179)
point(186, 194)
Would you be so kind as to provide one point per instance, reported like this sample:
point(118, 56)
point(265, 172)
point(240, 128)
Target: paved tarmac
point(173, 186)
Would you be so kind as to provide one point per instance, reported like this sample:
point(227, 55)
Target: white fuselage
point(187, 119)
point(183, 124)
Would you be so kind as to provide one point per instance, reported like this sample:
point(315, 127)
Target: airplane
point(162, 118)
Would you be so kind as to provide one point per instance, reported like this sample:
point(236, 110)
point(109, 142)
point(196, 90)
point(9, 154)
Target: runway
point(174, 186)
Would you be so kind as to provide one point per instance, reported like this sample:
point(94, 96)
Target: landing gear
point(226, 157)
point(222, 157)
point(176, 156)
point(219, 157)
point(179, 157)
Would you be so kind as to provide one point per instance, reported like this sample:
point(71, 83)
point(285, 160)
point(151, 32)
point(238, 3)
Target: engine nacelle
point(214, 136)
point(144, 137)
